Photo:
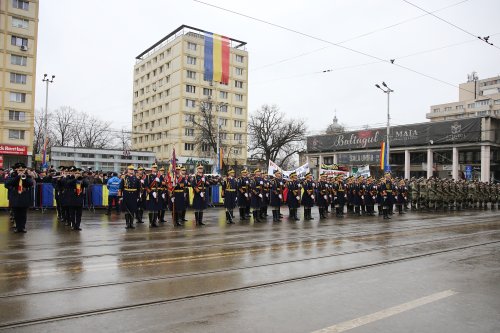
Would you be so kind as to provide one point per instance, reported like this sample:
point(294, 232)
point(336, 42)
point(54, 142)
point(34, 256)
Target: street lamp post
point(45, 133)
point(387, 91)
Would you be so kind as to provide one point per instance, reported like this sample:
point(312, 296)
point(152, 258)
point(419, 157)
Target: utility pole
point(387, 91)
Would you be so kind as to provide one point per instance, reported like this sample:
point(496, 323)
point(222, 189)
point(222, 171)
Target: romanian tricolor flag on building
point(216, 66)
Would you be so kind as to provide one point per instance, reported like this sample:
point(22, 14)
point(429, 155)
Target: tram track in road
point(113, 309)
point(240, 231)
point(332, 235)
point(232, 269)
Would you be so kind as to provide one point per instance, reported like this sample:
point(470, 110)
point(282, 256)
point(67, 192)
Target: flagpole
point(45, 134)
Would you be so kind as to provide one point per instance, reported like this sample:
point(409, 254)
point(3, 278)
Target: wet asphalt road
point(364, 273)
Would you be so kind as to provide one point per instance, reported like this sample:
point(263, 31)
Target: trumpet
point(23, 176)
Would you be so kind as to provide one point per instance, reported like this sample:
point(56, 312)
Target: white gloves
point(280, 196)
point(325, 197)
point(154, 195)
point(260, 195)
point(157, 179)
point(246, 195)
point(173, 199)
point(202, 194)
point(298, 198)
point(312, 196)
point(163, 195)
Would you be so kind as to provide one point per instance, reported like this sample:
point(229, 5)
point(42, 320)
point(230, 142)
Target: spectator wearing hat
point(20, 184)
point(113, 185)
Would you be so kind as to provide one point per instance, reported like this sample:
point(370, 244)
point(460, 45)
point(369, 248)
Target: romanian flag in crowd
point(384, 165)
point(216, 58)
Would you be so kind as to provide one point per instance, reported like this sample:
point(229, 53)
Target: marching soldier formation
point(155, 193)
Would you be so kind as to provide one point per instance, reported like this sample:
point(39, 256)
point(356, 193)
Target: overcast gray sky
point(91, 45)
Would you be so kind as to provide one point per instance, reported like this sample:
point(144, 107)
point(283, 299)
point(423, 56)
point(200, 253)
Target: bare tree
point(273, 137)
point(38, 132)
point(92, 132)
point(124, 139)
point(63, 126)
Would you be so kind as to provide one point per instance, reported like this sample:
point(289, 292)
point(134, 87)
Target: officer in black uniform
point(76, 187)
point(322, 192)
point(293, 196)
point(199, 184)
point(163, 195)
point(256, 194)
point(243, 194)
point(20, 185)
point(141, 203)
point(229, 188)
point(178, 197)
point(276, 194)
point(130, 187)
point(152, 183)
point(308, 196)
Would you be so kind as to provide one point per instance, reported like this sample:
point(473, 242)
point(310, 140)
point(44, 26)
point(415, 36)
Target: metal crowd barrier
point(96, 196)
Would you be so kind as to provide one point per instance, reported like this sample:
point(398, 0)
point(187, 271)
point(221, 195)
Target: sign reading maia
point(465, 130)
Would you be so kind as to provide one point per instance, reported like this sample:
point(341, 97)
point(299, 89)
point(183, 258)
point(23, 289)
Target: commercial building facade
point(477, 98)
point(450, 149)
point(169, 90)
point(18, 45)
point(100, 159)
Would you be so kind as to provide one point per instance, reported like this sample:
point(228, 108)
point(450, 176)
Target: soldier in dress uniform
point(163, 195)
point(402, 193)
point(384, 197)
point(265, 197)
point(141, 203)
point(130, 188)
point(322, 192)
point(152, 184)
point(276, 194)
point(293, 196)
point(308, 196)
point(199, 184)
point(76, 186)
point(243, 194)
point(229, 188)
point(20, 184)
point(256, 194)
point(370, 197)
point(340, 195)
point(178, 198)
point(186, 194)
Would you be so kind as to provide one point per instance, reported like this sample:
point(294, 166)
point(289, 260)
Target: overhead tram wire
point(358, 36)
point(484, 39)
point(334, 44)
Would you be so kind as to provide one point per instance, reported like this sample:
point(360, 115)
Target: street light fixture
point(45, 133)
point(387, 91)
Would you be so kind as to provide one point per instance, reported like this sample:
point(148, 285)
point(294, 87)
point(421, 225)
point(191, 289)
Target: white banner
point(301, 170)
point(363, 171)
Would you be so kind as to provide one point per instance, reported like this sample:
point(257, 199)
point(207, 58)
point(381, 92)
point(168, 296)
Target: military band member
point(322, 193)
point(293, 196)
point(308, 196)
point(20, 185)
point(384, 195)
point(178, 197)
point(229, 188)
point(265, 197)
point(339, 196)
point(256, 194)
point(276, 195)
point(76, 185)
point(199, 185)
point(141, 203)
point(370, 196)
point(152, 183)
point(185, 179)
point(163, 195)
point(402, 194)
point(130, 188)
point(243, 194)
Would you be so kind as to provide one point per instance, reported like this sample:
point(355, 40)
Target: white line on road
point(348, 325)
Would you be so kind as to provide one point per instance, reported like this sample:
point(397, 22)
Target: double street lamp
point(45, 133)
point(387, 91)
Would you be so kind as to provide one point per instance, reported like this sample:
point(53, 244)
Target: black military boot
point(131, 221)
point(176, 216)
point(274, 216)
point(152, 220)
point(228, 218)
point(201, 218)
point(231, 215)
point(161, 216)
point(139, 216)
point(197, 217)
point(247, 212)
point(380, 210)
point(309, 214)
point(242, 214)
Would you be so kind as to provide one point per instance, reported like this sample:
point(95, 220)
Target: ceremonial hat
point(19, 166)
point(154, 166)
point(162, 169)
point(308, 174)
point(256, 170)
point(177, 168)
point(244, 171)
point(183, 169)
point(293, 174)
point(140, 168)
point(231, 170)
point(61, 167)
point(199, 166)
point(130, 167)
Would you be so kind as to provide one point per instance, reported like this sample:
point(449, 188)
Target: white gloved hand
point(300, 186)
point(157, 179)
point(362, 197)
point(173, 199)
point(246, 181)
point(142, 181)
point(325, 197)
point(373, 197)
point(280, 196)
point(312, 197)
point(163, 195)
point(202, 194)
point(154, 195)
point(260, 195)
point(261, 182)
point(267, 195)
point(246, 195)
point(345, 195)
point(298, 198)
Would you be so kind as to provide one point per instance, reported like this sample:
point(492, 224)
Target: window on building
point(191, 74)
point(190, 88)
point(20, 4)
point(191, 60)
point(223, 108)
point(189, 146)
point(16, 134)
point(17, 78)
point(497, 101)
point(205, 147)
point(18, 97)
point(207, 92)
point(459, 107)
point(238, 71)
point(190, 103)
point(238, 97)
point(482, 103)
point(238, 137)
point(189, 131)
point(189, 118)
point(223, 94)
point(19, 41)
point(436, 110)
point(238, 123)
point(17, 115)
point(448, 108)
point(167, 79)
point(239, 58)
point(236, 151)
point(20, 23)
point(238, 84)
point(222, 122)
point(223, 136)
point(238, 111)
point(191, 46)
point(470, 106)
point(18, 60)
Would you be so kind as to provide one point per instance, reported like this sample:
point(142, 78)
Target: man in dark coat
point(229, 187)
point(76, 186)
point(199, 184)
point(130, 187)
point(152, 183)
point(20, 185)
